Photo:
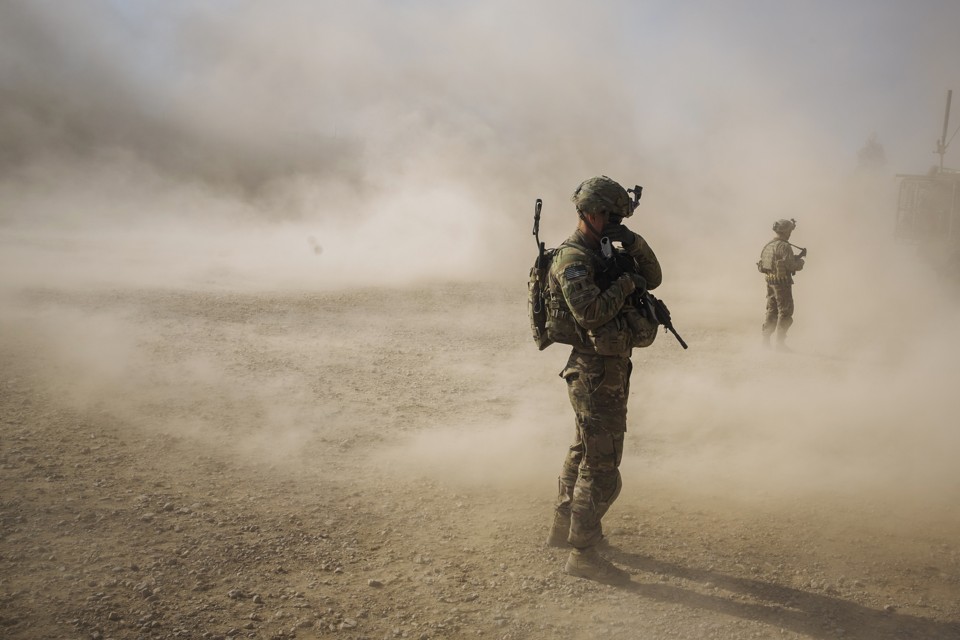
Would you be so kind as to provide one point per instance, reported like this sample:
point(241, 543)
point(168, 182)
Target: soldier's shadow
point(811, 614)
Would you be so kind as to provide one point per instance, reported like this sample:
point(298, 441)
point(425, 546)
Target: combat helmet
point(784, 226)
point(601, 194)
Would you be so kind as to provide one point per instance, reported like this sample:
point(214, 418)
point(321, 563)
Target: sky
point(272, 142)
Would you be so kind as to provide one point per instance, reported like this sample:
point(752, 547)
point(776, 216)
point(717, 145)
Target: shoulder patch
point(575, 272)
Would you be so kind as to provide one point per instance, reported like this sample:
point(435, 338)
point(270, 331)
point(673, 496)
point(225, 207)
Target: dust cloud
point(234, 152)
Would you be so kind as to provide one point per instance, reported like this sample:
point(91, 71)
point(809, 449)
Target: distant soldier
point(778, 264)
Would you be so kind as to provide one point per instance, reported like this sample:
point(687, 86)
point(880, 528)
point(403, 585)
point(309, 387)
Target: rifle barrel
point(679, 339)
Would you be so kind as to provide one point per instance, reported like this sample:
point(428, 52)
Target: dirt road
point(381, 464)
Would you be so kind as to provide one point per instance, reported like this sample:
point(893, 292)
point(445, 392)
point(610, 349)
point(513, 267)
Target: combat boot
point(559, 531)
point(588, 563)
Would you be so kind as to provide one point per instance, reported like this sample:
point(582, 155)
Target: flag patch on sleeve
point(575, 271)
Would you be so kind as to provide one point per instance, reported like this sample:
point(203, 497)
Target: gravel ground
point(381, 464)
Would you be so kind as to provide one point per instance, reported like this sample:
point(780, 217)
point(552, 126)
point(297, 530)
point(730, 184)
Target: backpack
point(765, 264)
point(537, 293)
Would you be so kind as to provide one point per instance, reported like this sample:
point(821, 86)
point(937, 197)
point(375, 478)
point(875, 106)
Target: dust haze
point(364, 177)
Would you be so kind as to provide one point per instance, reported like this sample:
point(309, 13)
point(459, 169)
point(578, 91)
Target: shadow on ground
point(803, 612)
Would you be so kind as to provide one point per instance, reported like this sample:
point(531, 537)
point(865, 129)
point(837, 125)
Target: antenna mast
point(942, 142)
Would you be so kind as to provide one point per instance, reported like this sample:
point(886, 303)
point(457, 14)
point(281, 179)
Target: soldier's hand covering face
point(618, 232)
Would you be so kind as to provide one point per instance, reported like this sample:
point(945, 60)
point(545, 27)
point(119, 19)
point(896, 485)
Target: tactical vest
point(635, 326)
point(772, 268)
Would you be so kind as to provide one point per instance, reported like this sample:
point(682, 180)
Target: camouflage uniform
point(778, 264)
point(598, 385)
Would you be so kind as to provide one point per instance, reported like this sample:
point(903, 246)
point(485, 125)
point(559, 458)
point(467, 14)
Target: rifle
point(802, 254)
point(659, 307)
point(663, 317)
point(536, 229)
point(541, 249)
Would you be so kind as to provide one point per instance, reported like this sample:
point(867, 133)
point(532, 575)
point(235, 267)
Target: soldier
point(597, 373)
point(778, 264)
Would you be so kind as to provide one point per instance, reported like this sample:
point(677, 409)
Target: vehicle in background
point(928, 210)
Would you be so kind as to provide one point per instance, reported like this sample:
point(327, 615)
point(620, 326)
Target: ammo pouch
point(560, 325)
point(612, 338)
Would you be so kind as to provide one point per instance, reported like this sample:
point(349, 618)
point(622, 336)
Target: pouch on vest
point(562, 328)
point(643, 325)
point(612, 338)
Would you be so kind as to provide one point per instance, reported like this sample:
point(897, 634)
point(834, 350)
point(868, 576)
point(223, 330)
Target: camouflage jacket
point(576, 275)
point(778, 263)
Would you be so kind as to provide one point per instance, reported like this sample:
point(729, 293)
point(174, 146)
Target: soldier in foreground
point(590, 305)
point(779, 264)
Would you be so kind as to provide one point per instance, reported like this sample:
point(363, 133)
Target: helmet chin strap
point(592, 228)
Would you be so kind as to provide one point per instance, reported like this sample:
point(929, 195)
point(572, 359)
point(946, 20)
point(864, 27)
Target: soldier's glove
point(620, 233)
point(639, 282)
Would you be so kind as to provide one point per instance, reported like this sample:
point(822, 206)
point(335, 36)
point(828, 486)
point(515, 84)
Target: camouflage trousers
point(779, 315)
point(598, 387)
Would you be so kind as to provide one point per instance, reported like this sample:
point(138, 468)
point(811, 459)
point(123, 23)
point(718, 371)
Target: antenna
point(942, 143)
